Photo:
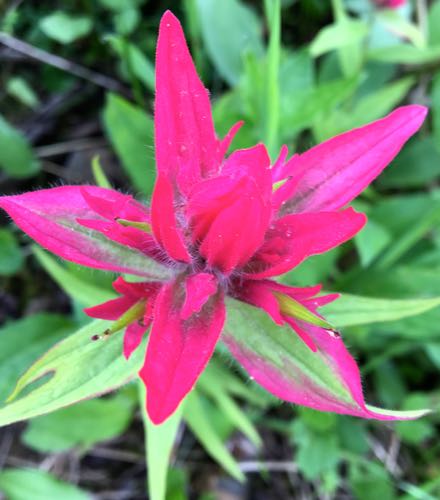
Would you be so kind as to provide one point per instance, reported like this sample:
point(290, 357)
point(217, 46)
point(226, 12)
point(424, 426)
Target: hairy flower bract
point(219, 225)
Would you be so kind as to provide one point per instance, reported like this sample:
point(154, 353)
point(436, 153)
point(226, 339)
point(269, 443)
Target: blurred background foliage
point(76, 106)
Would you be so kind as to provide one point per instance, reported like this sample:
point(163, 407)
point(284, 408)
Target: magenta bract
point(219, 226)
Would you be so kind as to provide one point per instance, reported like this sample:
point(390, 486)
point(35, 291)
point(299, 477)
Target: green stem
point(273, 13)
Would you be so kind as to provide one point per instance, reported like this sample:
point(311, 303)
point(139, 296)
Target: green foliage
point(82, 287)
point(243, 29)
point(130, 130)
point(16, 484)
point(75, 426)
point(344, 33)
point(11, 257)
point(351, 310)
point(158, 447)
point(74, 369)
point(65, 28)
point(20, 89)
point(297, 73)
point(196, 414)
point(16, 156)
point(23, 341)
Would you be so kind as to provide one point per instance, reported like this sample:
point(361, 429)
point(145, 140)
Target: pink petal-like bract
point(178, 349)
point(49, 216)
point(219, 227)
point(333, 173)
point(293, 238)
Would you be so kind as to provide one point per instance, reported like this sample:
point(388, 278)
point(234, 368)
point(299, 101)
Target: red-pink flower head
point(219, 226)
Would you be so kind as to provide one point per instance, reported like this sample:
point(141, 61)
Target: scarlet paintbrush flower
point(217, 226)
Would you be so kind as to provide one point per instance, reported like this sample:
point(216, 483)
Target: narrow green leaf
point(73, 370)
point(405, 54)
point(83, 291)
point(158, 447)
point(132, 56)
point(350, 310)
point(229, 408)
point(99, 174)
point(130, 130)
point(16, 156)
point(410, 237)
point(201, 426)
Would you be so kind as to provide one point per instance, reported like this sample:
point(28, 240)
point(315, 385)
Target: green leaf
point(23, 341)
point(11, 257)
point(243, 30)
point(405, 54)
point(158, 447)
point(412, 234)
point(126, 20)
point(73, 370)
point(371, 241)
point(369, 108)
point(417, 431)
point(370, 482)
point(16, 156)
point(23, 484)
point(201, 426)
point(132, 56)
point(20, 89)
point(81, 425)
point(310, 106)
point(350, 310)
point(120, 5)
point(99, 174)
point(435, 108)
point(296, 73)
point(83, 291)
point(396, 23)
point(318, 452)
point(210, 384)
point(65, 28)
point(341, 34)
point(130, 130)
point(434, 23)
point(416, 166)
